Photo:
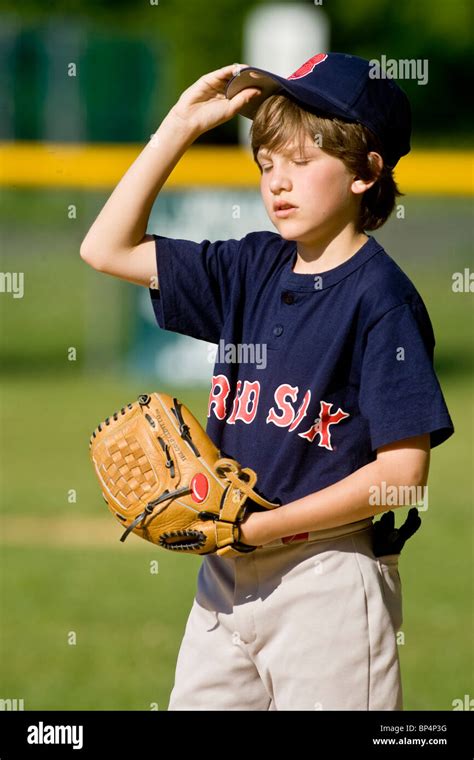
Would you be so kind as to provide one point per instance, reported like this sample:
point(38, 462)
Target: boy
point(348, 403)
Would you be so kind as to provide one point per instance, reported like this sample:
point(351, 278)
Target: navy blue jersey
point(313, 373)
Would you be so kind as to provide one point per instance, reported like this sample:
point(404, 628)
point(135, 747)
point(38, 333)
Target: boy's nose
point(280, 181)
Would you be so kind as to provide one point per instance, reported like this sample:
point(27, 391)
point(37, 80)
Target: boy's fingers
point(387, 521)
point(411, 524)
point(226, 72)
point(237, 66)
point(244, 96)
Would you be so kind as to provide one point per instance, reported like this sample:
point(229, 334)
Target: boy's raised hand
point(204, 105)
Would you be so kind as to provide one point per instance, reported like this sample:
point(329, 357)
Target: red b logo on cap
point(307, 67)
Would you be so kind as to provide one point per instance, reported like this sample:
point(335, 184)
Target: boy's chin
point(286, 232)
point(292, 232)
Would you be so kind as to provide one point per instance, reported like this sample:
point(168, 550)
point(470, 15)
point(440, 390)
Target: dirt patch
point(67, 531)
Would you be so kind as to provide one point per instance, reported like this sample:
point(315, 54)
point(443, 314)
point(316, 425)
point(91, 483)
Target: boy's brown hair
point(280, 120)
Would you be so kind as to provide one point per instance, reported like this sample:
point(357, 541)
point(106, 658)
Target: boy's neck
point(327, 254)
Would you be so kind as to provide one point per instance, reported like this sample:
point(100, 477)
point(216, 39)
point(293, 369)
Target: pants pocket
point(392, 587)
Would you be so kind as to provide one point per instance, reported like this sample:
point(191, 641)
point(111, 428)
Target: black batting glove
point(390, 540)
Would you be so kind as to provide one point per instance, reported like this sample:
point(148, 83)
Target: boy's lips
point(282, 210)
point(282, 205)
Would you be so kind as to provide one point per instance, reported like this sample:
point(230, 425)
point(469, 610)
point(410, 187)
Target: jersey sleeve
point(195, 283)
point(400, 394)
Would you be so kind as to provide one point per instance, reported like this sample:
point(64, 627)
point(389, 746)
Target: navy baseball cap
point(340, 85)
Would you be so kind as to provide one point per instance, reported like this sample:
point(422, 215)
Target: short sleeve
point(195, 283)
point(400, 395)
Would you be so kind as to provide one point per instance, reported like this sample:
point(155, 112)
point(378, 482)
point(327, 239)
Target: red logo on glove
point(307, 67)
point(199, 488)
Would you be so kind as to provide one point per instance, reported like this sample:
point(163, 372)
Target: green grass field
point(127, 621)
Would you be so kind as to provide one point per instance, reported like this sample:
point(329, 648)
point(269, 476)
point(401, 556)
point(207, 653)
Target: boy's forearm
point(123, 221)
point(346, 501)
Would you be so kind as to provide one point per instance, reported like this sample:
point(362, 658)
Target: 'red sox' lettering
point(282, 414)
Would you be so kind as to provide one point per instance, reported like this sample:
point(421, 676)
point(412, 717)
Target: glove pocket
point(392, 587)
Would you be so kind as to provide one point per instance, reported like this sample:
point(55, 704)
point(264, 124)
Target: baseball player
point(345, 406)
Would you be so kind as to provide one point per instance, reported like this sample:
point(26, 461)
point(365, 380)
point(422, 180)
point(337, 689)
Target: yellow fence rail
point(100, 167)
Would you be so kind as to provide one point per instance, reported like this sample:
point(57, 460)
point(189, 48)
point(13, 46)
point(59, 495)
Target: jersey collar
point(304, 282)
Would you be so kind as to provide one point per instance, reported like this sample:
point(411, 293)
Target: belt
point(321, 535)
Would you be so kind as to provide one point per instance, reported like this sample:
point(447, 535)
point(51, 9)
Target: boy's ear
point(375, 164)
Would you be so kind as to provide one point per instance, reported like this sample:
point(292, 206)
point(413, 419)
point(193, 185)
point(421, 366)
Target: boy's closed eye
point(301, 162)
point(299, 155)
point(265, 163)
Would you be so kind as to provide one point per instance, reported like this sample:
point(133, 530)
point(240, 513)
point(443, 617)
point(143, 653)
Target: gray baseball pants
point(304, 623)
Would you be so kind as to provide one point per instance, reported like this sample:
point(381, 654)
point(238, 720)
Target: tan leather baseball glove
point(164, 479)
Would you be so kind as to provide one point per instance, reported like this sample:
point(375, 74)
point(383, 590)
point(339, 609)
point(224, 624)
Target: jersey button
point(277, 330)
point(288, 298)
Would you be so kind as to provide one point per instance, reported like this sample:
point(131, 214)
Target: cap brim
point(268, 83)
